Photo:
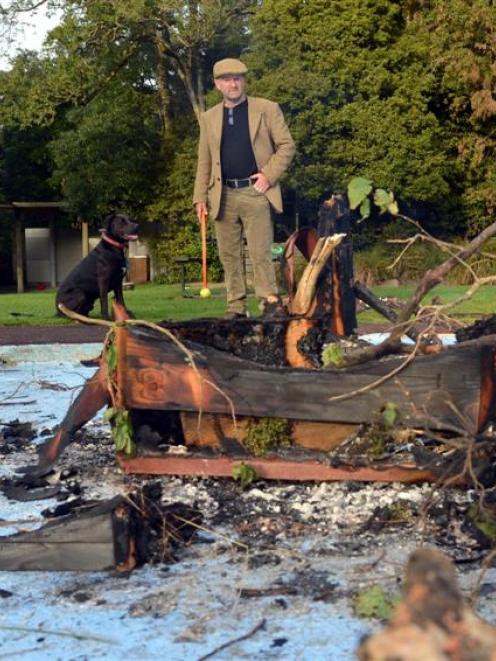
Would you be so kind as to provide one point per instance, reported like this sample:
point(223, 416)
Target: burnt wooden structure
point(193, 389)
point(437, 391)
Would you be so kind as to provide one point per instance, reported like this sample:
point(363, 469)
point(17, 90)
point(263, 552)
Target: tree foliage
point(397, 92)
point(122, 78)
point(173, 42)
point(108, 154)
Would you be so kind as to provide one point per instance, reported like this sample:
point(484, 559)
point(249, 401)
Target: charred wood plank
point(270, 469)
point(120, 533)
point(89, 401)
point(437, 391)
point(96, 541)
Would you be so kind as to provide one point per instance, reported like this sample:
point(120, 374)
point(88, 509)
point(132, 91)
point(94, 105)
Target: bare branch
point(19, 8)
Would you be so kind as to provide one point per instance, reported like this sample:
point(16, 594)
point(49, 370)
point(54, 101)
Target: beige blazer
point(272, 145)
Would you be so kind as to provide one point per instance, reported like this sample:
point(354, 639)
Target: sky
point(31, 35)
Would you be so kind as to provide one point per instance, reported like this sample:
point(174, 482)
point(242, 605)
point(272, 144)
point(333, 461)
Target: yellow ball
point(205, 292)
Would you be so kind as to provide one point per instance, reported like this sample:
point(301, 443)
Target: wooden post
point(339, 297)
point(85, 243)
point(20, 251)
point(53, 252)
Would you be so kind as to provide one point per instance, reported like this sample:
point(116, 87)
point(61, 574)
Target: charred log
point(336, 294)
point(486, 326)
point(121, 533)
point(311, 344)
point(368, 297)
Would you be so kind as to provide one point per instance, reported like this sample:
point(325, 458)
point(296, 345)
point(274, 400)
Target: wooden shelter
point(50, 215)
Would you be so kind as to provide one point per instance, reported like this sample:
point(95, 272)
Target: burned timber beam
point(438, 391)
point(269, 469)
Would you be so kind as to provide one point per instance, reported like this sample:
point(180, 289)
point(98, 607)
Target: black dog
point(102, 271)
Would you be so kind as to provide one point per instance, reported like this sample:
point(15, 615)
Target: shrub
point(185, 242)
point(372, 266)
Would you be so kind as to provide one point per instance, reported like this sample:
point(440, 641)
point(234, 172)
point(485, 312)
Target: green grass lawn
point(482, 303)
point(157, 302)
point(147, 301)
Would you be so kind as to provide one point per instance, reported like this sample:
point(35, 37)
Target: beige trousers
point(245, 210)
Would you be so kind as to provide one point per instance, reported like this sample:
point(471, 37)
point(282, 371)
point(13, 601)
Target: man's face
point(232, 88)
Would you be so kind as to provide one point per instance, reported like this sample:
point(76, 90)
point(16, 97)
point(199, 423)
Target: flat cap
point(229, 67)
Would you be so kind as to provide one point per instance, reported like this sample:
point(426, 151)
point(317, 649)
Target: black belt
point(239, 183)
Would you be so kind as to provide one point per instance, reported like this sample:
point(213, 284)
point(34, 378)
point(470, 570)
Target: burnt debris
point(121, 534)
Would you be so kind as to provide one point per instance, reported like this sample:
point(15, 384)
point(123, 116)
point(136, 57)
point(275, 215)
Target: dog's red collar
point(113, 242)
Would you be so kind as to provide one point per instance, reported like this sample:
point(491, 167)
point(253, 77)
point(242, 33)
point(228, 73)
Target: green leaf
point(390, 414)
point(109, 414)
point(393, 208)
point(332, 354)
point(358, 189)
point(130, 448)
point(484, 521)
point(122, 431)
point(375, 603)
point(365, 208)
point(244, 474)
point(382, 199)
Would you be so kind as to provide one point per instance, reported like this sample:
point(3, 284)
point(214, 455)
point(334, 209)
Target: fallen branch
point(430, 280)
point(218, 649)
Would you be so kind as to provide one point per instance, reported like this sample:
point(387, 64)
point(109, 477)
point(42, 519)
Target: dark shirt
point(236, 153)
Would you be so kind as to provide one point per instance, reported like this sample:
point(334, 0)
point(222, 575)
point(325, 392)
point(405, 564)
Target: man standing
point(245, 147)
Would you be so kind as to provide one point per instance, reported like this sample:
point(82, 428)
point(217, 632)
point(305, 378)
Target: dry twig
point(218, 649)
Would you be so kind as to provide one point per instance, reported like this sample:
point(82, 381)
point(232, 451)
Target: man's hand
point(262, 184)
point(201, 210)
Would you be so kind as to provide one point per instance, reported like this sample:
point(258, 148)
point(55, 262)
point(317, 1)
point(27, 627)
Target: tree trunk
point(163, 88)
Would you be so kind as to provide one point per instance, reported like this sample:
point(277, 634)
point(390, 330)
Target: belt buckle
point(236, 183)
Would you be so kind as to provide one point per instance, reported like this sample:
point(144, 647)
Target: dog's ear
point(107, 222)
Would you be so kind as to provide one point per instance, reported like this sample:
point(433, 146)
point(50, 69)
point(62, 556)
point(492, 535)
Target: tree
point(107, 156)
point(25, 164)
point(376, 88)
point(124, 82)
point(174, 41)
point(462, 34)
